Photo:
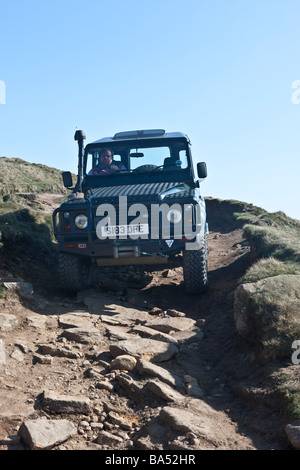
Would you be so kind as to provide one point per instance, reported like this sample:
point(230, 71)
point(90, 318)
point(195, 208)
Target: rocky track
point(133, 363)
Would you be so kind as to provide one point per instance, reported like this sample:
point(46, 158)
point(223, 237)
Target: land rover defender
point(140, 206)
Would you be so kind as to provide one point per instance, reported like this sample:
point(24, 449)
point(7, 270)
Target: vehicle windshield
point(124, 158)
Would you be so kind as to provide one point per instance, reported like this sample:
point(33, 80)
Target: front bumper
point(122, 249)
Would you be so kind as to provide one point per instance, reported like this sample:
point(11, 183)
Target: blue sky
point(219, 71)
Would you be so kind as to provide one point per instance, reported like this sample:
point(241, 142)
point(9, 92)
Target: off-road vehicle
point(147, 209)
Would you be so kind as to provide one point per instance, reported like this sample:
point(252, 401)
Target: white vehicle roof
point(142, 134)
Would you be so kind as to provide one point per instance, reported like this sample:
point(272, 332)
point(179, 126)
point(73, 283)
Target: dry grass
point(287, 382)
point(269, 267)
point(279, 242)
point(19, 176)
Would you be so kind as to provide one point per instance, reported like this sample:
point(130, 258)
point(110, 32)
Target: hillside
point(134, 362)
point(26, 212)
point(19, 176)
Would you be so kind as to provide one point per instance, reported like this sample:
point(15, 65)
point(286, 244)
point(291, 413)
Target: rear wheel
point(75, 272)
point(195, 270)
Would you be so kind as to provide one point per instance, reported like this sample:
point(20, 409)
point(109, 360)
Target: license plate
point(125, 230)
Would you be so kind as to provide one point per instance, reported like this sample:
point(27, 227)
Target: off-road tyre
point(195, 270)
point(75, 272)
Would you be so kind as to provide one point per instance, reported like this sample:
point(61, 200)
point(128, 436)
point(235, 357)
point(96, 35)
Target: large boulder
point(266, 312)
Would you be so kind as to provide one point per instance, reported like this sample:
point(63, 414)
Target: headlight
point(81, 221)
point(174, 216)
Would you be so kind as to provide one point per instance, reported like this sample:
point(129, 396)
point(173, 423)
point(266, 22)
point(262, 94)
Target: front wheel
point(195, 270)
point(75, 272)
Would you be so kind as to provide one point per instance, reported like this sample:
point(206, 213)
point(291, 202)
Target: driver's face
point(106, 158)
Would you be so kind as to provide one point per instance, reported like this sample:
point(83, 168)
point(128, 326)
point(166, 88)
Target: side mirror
point(202, 170)
point(67, 179)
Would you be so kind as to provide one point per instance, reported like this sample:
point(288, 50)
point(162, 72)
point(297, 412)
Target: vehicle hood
point(140, 192)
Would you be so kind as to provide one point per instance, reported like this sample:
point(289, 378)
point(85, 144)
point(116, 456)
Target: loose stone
point(293, 434)
point(66, 403)
point(44, 434)
point(123, 362)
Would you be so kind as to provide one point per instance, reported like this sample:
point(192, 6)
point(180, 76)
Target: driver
point(107, 165)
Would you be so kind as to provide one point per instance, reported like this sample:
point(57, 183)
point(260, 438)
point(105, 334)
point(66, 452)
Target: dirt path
point(216, 359)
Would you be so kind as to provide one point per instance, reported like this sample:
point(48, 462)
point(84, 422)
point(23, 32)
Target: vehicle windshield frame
point(132, 177)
